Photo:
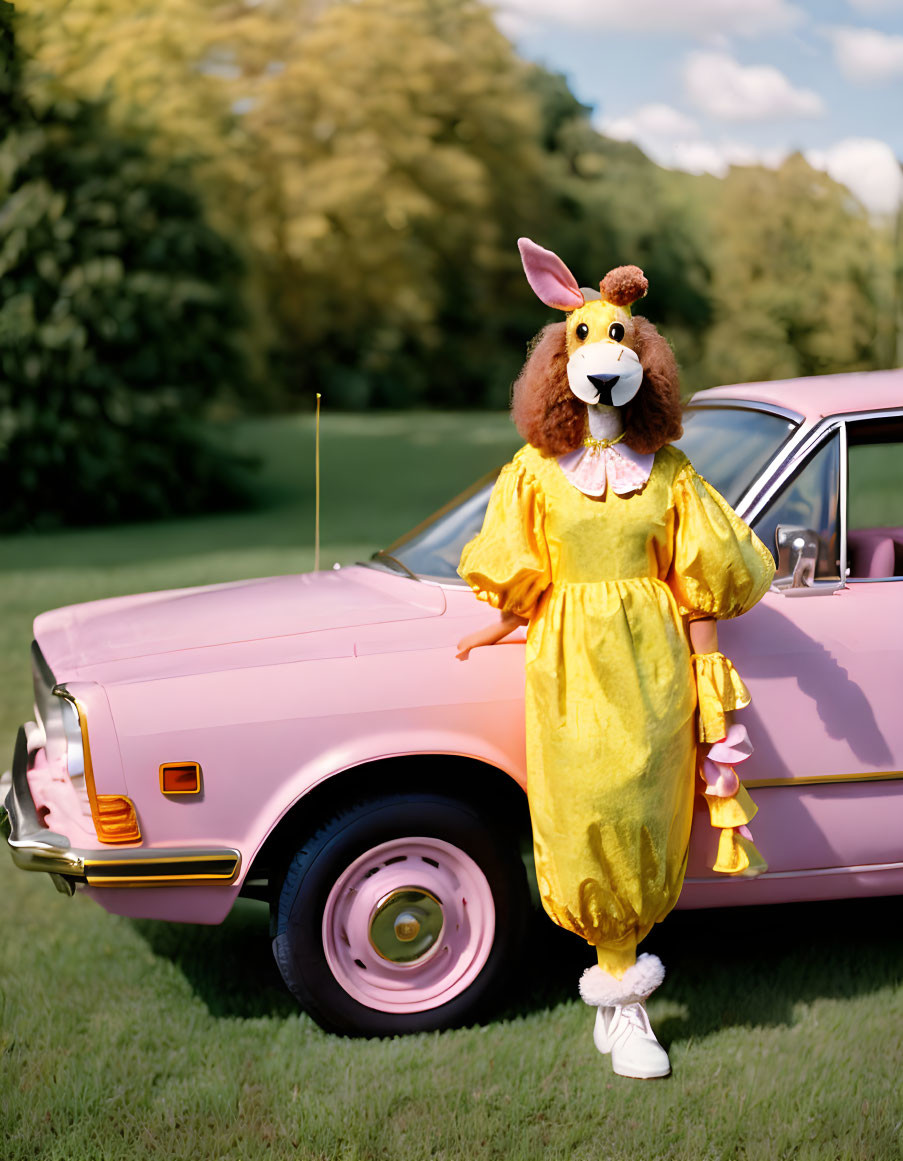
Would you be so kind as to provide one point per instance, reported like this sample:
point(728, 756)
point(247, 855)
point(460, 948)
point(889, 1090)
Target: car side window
point(875, 498)
point(809, 501)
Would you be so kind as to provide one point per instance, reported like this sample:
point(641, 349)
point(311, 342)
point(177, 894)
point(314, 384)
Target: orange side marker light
point(180, 778)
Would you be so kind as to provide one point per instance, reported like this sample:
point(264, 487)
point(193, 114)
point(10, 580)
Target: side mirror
point(797, 555)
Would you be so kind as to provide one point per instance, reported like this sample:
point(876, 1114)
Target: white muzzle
point(605, 373)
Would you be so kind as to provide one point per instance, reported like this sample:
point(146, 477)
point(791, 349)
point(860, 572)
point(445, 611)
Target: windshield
point(433, 548)
point(727, 445)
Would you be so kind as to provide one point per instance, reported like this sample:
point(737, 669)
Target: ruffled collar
point(593, 470)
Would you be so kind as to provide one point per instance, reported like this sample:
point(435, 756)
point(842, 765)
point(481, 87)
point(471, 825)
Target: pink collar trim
point(593, 471)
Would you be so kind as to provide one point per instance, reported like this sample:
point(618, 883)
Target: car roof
point(819, 395)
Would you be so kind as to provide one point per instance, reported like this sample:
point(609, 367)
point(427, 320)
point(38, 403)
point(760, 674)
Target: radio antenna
point(317, 499)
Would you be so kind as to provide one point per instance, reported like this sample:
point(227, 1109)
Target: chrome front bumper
point(35, 848)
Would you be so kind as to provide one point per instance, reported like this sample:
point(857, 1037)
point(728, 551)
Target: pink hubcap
point(409, 925)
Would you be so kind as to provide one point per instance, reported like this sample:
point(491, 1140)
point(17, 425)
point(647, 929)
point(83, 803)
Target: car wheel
point(401, 914)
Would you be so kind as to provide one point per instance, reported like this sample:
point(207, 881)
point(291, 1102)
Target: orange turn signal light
point(115, 819)
point(180, 778)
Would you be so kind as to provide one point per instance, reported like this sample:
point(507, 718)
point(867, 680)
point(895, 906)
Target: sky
point(703, 84)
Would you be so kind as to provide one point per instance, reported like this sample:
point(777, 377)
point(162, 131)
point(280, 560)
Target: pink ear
point(550, 279)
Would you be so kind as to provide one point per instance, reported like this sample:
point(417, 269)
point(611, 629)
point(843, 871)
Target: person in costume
point(620, 558)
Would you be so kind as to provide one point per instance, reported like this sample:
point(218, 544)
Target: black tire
point(456, 839)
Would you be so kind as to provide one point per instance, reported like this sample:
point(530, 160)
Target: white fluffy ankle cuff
point(602, 990)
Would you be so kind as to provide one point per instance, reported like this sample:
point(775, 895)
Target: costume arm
point(490, 634)
point(704, 635)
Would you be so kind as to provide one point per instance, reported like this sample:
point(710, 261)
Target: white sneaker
point(624, 1032)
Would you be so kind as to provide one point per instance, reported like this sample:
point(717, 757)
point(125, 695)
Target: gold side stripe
point(155, 880)
point(165, 870)
point(821, 779)
point(146, 860)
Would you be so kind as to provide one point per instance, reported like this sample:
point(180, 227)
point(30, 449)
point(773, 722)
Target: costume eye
point(582, 331)
point(615, 331)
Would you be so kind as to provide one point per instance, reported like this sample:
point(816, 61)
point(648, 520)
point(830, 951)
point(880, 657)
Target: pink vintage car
point(313, 740)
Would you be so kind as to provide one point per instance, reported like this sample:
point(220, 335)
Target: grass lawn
point(122, 1039)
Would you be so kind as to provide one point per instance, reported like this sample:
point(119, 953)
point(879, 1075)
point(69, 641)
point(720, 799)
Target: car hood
point(179, 620)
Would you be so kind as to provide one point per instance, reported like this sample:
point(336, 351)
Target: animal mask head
point(603, 366)
point(600, 355)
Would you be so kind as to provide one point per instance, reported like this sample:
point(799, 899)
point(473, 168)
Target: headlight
point(114, 816)
point(75, 754)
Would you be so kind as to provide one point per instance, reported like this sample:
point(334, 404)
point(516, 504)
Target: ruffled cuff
point(734, 812)
point(719, 690)
point(737, 855)
point(730, 806)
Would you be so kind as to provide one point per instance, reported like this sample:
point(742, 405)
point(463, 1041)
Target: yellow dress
point(608, 585)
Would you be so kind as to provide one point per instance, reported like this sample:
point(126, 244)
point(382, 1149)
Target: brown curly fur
point(545, 411)
point(548, 415)
point(624, 285)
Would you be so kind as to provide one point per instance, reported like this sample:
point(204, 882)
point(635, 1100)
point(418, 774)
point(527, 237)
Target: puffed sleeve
point(720, 568)
point(507, 563)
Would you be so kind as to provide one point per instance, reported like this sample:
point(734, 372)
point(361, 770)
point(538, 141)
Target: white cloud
point(865, 166)
point(513, 21)
point(675, 141)
point(867, 55)
point(723, 88)
point(650, 123)
point(710, 157)
point(717, 157)
point(703, 19)
point(699, 157)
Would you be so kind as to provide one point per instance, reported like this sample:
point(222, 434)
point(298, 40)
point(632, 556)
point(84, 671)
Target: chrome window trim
point(753, 503)
point(784, 449)
point(798, 444)
point(747, 405)
point(877, 413)
point(807, 445)
point(858, 417)
point(842, 500)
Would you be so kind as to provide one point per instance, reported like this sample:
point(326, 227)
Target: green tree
point(12, 102)
point(797, 277)
point(401, 152)
point(119, 322)
point(378, 160)
point(615, 206)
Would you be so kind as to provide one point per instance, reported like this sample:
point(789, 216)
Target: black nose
point(604, 384)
